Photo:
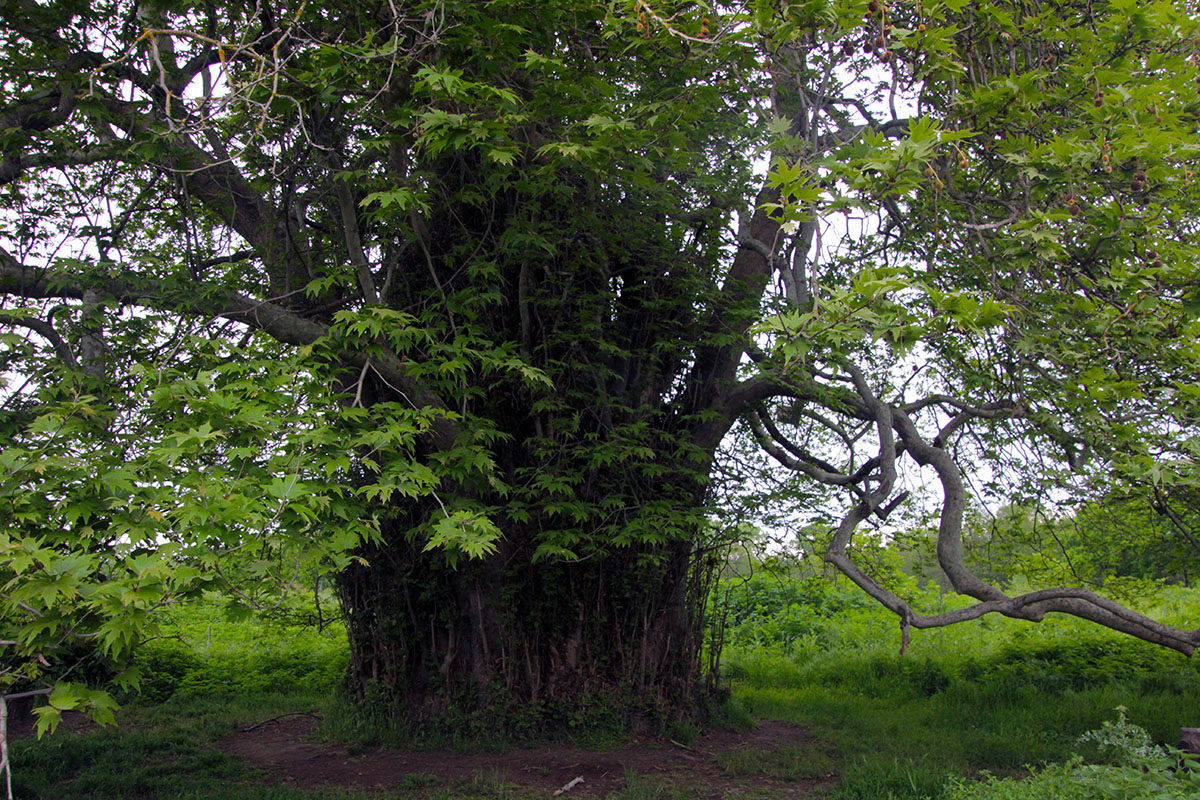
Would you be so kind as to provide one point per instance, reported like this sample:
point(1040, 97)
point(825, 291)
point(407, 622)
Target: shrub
point(1135, 767)
point(205, 654)
point(162, 666)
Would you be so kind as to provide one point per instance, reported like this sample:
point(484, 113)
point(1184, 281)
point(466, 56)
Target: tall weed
point(1132, 767)
point(994, 694)
point(203, 652)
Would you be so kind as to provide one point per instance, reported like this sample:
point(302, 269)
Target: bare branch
point(825, 473)
point(358, 257)
point(276, 321)
point(46, 331)
point(778, 436)
point(1082, 603)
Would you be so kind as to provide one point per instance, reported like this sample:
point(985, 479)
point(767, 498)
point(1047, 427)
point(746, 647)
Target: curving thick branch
point(874, 486)
point(44, 329)
point(273, 319)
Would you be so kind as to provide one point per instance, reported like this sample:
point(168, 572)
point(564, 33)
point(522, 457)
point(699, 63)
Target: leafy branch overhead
point(460, 300)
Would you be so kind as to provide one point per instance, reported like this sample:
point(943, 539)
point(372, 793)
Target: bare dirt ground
point(288, 755)
point(25, 724)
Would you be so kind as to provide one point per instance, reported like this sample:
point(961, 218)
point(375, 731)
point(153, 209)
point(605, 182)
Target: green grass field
point(993, 698)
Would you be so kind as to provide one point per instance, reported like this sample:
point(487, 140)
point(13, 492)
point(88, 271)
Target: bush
point(1135, 768)
point(781, 611)
point(1054, 667)
point(204, 654)
point(162, 666)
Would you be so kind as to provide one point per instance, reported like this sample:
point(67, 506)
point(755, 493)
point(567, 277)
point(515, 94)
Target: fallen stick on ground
point(258, 725)
point(569, 786)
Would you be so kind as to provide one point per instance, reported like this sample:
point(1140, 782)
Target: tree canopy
point(460, 299)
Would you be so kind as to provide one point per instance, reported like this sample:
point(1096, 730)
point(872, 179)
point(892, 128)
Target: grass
point(992, 697)
point(205, 677)
point(788, 762)
point(159, 751)
point(995, 695)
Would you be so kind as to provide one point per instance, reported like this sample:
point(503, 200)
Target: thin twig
point(258, 725)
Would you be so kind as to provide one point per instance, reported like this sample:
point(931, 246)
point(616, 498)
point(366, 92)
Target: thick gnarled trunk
point(516, 643)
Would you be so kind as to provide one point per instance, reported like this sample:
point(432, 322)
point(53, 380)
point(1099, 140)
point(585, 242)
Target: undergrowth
point(991, 710)
point(993, 696)
point(203, 651)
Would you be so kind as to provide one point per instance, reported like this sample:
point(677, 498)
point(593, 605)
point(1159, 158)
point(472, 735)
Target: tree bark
point(516, 642)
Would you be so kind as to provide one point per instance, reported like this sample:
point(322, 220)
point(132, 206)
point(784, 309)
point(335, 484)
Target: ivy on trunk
point(459, 299)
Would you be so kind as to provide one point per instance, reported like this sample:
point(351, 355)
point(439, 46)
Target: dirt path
point(284, 749)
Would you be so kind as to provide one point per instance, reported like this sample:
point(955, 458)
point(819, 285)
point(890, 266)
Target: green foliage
point(881, 780)
point(1052, 782)
point(113, 510)
point(1135, 768)
point(277, 668)
point(162, 667)
point(1054, 667)
point(776, 610)
point(785, 762)
point(448, 298)
point(994, 695)
point(1126, 544)
point(203, 653)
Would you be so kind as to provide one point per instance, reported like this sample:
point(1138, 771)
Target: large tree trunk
point(524, 248)
point(523, 643)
